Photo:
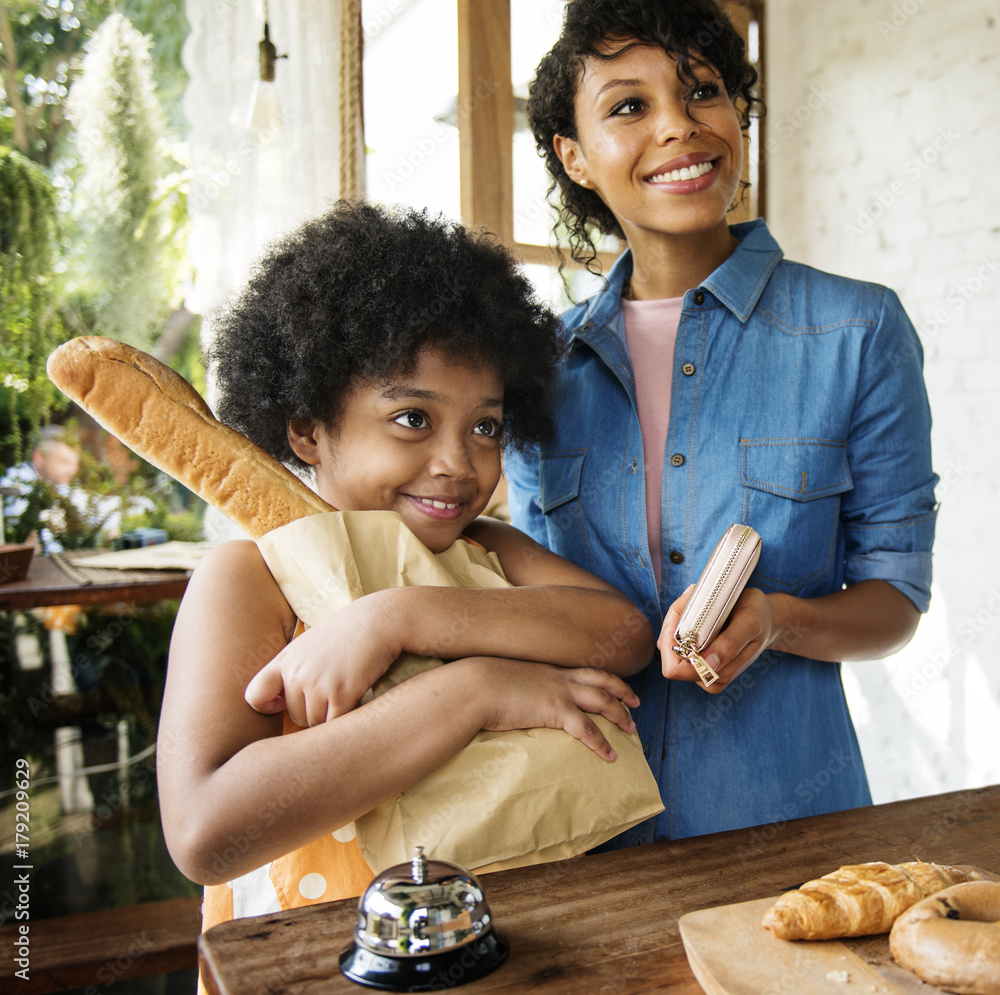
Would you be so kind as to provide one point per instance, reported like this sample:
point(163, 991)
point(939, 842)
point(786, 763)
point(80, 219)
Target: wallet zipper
point(687, 647)
point(719, 585)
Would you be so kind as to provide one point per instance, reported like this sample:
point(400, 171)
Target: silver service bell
point(423, 926)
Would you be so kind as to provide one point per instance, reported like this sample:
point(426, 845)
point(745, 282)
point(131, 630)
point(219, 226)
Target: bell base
point(432, 973)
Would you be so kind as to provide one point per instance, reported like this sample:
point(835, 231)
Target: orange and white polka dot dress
point(321, 871)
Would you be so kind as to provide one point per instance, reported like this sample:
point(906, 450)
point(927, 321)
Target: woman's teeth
point(684, 173)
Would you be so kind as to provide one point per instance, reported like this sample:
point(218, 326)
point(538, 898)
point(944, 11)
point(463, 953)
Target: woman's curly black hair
point(682, 28)
point(351, 297)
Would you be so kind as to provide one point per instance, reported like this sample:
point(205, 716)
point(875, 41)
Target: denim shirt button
point(699, 297)
point(676, 557)
point(677, 460)
point(687, 369)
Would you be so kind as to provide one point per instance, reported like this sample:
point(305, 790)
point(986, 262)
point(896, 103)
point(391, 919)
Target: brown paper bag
point(506, 799)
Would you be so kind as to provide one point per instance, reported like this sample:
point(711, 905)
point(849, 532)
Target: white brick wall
point(883, 153)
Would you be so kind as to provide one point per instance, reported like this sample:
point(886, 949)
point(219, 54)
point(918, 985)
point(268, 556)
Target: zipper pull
point(687, 652)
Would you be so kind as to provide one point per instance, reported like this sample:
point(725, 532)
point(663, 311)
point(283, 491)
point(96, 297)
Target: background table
point(607, 924)
point(48, 583)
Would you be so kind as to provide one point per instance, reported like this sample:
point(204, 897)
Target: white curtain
point(249, 186)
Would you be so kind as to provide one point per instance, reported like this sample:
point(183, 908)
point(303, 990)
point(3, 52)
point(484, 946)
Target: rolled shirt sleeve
point(889, 514)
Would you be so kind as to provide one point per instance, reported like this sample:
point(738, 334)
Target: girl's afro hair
point(352, 296)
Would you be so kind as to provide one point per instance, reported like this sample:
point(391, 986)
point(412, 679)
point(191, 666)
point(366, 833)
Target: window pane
point(534, 28)
point(549, 285)
point(410, 99)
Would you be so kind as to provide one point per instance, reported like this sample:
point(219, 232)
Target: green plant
point(126, 201)
point(28, 315)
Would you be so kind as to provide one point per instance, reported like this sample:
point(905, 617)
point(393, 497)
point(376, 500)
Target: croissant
point(860, 899)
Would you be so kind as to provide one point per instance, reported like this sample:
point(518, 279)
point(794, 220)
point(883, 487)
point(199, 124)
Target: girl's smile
point(663, 152)
point(442, 509)
point(425, 444)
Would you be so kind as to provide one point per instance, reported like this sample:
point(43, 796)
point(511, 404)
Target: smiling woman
point(657, 139)
point(710, 381)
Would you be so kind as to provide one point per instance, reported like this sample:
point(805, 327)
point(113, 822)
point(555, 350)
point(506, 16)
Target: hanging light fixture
point(264, 112)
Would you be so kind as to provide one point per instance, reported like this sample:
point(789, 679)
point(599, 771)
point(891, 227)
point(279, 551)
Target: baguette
point(861, 899)
point(160, 416)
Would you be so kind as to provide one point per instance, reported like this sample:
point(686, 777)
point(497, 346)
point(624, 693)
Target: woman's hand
point(749, 631)
point(864, 621)
point(523, 695)
point(327, 670)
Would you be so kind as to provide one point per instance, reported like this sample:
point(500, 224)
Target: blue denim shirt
point(798, 407)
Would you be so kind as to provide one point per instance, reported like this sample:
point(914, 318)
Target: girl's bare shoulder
point(233, 577)
point(524, 561)
point(239, 553)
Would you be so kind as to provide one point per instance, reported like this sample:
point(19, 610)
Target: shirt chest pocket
point(560, 475)
point(791, 496)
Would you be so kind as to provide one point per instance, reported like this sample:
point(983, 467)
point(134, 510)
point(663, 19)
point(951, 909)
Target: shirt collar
point(737, 283)
point(741, 279)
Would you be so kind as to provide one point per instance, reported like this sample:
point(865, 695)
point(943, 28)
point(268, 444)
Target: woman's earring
point(583, 181)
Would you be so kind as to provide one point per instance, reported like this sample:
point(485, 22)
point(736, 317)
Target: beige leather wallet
point(720, 584)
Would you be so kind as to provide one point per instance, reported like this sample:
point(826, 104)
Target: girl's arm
point(227, 773)
point(866, 621)
point(556, 613)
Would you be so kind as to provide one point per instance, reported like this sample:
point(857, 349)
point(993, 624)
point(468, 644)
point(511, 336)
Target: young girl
point(713, 382)
point(394, 356)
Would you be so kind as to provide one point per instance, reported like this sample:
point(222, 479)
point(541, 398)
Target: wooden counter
point(607, 924)
point(63, 579)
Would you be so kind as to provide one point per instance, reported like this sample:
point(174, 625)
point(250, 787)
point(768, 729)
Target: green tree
point(28, 314)
point(119, 200)
point(41, 52)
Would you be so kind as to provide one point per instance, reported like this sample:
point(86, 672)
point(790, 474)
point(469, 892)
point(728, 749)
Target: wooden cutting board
point(731, 954)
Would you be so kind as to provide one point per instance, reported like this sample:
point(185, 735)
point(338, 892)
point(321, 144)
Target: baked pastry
point(160, 416)
point(952, 939)
point(860, 899)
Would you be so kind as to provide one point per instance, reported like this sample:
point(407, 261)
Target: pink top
point(650, 334)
